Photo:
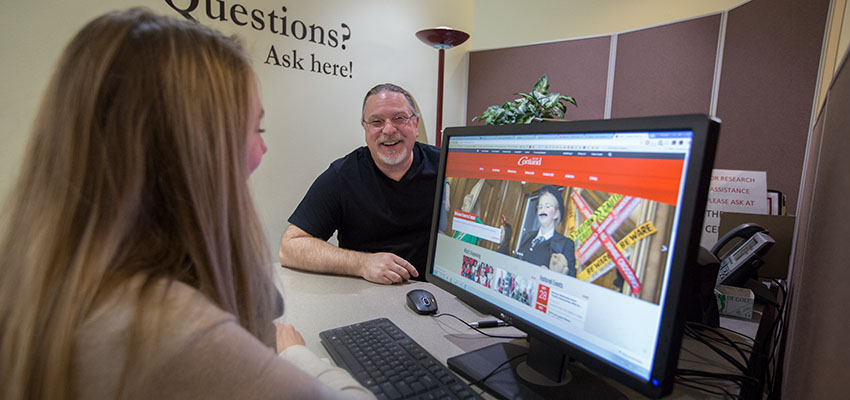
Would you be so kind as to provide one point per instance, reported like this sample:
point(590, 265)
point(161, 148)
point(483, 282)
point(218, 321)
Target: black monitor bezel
point(700, 163)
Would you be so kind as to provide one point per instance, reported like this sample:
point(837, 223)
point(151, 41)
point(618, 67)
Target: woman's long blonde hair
point(136, 165)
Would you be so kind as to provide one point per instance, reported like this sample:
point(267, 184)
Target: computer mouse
point(421, 301)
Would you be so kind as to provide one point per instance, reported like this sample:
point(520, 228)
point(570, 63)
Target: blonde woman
point(133, 264)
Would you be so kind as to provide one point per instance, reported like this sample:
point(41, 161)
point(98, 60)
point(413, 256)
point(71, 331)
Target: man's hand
point(287, 336)
point(386, 268)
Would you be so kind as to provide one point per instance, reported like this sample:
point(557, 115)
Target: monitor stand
point(543, 374)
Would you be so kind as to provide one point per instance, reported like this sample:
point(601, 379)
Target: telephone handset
point(738, 264)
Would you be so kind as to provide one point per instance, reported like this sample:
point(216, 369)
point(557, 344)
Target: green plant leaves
point(569, 99)
point(542, 85)
point(536, 104)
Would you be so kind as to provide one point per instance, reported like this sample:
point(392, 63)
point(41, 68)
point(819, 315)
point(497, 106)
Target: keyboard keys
point(389, 390)
point(390, 364)
point(405, 390)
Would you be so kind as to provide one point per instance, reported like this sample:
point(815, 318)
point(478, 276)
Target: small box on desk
point(734, 301)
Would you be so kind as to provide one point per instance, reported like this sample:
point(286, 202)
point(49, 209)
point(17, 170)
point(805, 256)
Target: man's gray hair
point(388, 87)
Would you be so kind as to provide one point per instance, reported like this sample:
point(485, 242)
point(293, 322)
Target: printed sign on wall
point(278, 22)
point(732, 191)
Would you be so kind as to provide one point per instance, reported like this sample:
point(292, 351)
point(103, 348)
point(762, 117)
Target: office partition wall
point(758, 63)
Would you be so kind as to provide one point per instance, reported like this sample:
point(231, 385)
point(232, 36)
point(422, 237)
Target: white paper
point(733, 191)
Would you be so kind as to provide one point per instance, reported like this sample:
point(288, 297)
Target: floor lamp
point(441, 38)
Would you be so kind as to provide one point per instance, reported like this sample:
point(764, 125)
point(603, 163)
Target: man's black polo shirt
point(371, 212)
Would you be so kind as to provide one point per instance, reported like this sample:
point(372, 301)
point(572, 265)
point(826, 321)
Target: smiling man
point(378, 198)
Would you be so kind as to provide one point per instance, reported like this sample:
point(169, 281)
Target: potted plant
point(536, 104)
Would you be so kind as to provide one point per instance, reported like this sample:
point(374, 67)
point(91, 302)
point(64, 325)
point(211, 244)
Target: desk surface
point(316, 302)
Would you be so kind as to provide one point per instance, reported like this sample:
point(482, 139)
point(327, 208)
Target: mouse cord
point(499, 368)
point(479, 331)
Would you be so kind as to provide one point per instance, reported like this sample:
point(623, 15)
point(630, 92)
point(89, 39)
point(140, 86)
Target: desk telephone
point(738, 264)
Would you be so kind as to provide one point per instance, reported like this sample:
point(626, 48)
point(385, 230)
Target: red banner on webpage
point(647, 178)
point(542, 297)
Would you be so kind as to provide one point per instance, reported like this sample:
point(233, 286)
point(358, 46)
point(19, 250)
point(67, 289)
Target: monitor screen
point(578, 233)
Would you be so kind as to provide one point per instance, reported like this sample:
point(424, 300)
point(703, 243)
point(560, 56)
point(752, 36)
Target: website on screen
point(567, 231)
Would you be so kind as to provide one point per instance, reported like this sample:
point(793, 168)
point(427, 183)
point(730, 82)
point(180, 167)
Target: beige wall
point(311, 119)
point(844, 36)
point(835, 47)
point(505, 23)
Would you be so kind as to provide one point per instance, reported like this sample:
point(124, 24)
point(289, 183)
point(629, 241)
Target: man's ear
point(421, 137)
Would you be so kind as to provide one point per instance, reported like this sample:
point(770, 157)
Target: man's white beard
point(394, 158)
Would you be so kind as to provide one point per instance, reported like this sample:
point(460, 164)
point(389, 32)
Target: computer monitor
point(579, 234)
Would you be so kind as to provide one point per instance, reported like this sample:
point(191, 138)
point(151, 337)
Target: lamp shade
point(442, 37)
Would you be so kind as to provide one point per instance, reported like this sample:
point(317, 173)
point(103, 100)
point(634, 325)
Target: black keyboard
point(390, 364)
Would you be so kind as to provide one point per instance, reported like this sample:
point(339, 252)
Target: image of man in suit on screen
point(547, 247)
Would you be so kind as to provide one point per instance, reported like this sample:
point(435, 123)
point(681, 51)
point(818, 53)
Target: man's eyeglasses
point(398, 121)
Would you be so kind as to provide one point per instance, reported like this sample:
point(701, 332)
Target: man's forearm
point(300, 250)
point(312, 254)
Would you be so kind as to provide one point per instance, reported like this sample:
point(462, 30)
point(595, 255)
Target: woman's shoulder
point(149, 321)
point(155, 301)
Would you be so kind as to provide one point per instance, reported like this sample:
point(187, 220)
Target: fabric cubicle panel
point(813, 150)
point(767, 86)
point(577, 68)
point(668, 69)
point(816, 351)
point(767, 79)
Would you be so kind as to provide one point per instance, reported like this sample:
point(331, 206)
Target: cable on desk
point(704, 358)
point(721, 338)
point(746, 351)
point(697, 336)
point(772, 337)
point(699, 384)
point(700, 325)
point(745, 347)
point(702, 386)
point(479, 331)
point(776, 328)
point(774, 363)
point(738, 379)
point(754, 376)
point(745, 383)
point(497, 369)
